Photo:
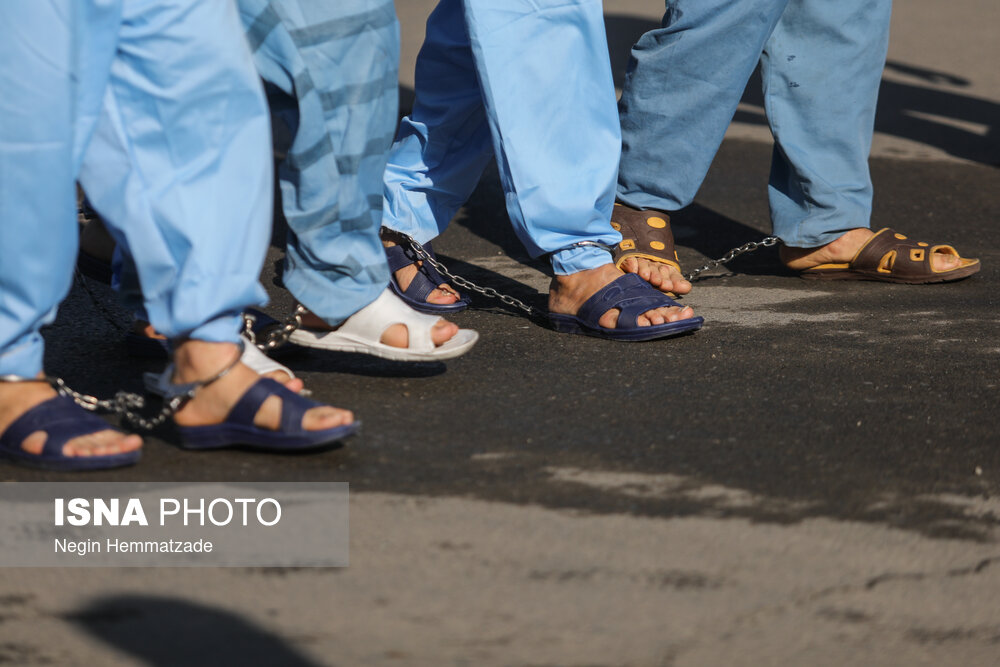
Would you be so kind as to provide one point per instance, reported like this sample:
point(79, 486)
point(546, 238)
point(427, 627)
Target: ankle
point(584, 279)
point(16, 398)
point(196, 360)
point(841, 249)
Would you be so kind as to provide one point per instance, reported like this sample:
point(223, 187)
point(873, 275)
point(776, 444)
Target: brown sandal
point(889, 256)
point(645, 234)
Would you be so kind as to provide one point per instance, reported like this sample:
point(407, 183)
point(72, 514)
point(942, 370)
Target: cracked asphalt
point(812, 478)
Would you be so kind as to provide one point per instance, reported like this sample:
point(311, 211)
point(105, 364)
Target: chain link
point(464, 282)
point(125, 404)
point(277, 337)
point(511, 301)
point(733, 254)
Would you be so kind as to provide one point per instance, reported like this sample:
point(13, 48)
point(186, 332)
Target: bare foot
point(198, 360)
point(568, 293)
point(844, 249)
point(16, 398)
point(396, 335)
point(444, 295)
point(663, 277)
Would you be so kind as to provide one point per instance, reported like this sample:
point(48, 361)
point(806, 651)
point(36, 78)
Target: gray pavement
point(810, 479)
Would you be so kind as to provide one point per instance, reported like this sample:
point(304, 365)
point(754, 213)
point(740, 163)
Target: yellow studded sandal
point(891, 257)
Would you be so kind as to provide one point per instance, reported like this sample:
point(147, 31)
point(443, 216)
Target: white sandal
point(263, 364)
point(362, 333)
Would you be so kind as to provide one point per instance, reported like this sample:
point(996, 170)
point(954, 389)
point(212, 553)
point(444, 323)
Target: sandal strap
point(912, 259)
point(645, 233)
point(59, 418)
point(399, 257)
point(632, 295)
point(293, 406)
point(371, 321)
point(427, 278)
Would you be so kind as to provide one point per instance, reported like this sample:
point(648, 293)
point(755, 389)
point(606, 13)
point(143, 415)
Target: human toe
point(102, 443)
point(442, 296)
point(443, 331)
point(945, 261)
point(325, 417)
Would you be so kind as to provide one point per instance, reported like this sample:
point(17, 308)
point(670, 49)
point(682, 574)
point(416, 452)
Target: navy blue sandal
point(633, 296)
point(62, 420)
point(239, 430)
point(426, 281)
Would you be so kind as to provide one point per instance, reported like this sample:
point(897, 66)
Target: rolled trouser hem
point(574, 260)
point(329, 302)
point(23, 359)
point(795, 238)
point(419, 234)
point(645, 200)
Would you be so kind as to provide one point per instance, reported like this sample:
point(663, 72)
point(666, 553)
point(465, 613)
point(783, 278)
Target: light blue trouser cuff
point(313, 290)
point(574, 260)
point(224, 329)
point(24, 359)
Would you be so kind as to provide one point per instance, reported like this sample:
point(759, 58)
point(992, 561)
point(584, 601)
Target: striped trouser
point(332, 69)
point(332, 74)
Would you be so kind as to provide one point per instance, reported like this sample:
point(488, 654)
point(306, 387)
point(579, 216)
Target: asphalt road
point(809, 479)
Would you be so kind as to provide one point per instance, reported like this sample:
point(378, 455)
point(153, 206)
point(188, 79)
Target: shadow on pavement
point(166, 632)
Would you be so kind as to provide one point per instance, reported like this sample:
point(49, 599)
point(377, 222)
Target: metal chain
point(733, 254)
point(509, 300)
point(465, 283)
point(125, 404)
point(278, 337)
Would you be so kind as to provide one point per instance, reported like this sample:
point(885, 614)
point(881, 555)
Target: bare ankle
point(198, 360)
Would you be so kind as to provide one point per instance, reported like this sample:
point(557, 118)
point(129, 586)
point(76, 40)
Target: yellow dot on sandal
point(616, 226)
point(900, 237)
point(923, 244)
point(656, 245)
point(657, 223)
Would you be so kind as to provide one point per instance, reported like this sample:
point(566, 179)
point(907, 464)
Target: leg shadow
point(168, 631)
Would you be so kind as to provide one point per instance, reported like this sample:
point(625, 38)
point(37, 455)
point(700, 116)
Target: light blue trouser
point(530, 82)
point(333, 70)
point(821, 63)
point(190, 113)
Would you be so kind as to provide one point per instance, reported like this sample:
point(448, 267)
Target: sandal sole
point(72, 463)
point(572, 325)
point(948, 276)
point(461, 343)
point(224, 436)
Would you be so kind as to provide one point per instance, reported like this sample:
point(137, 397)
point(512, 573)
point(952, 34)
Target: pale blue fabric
point(333, 72)
point(821, 64)
point(187, 109)
point(526, 81)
